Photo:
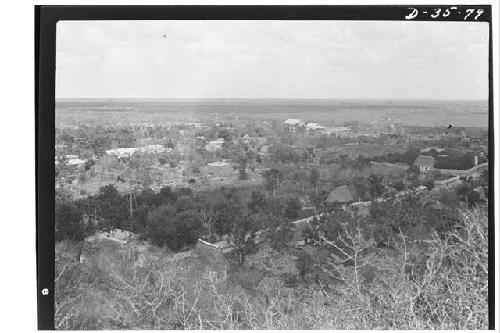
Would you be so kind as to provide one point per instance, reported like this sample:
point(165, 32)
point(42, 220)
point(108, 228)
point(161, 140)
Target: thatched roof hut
point(342, 195)
point(424, 161)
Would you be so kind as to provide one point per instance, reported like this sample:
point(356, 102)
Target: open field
point(366, 150)
point(407, 112)
point(209, 178)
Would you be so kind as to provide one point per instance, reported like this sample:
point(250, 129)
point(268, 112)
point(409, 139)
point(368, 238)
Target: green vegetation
point(68, 222)
point(346, 283)
point(296, 252)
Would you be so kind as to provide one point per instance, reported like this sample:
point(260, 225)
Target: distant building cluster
point(374, 129)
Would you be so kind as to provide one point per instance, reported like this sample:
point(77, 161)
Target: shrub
point(68, 222)
point(399, 185)
point(305, 264)
point(429, 183)
point(292, 208)
point(176, 230)
point(248, 278)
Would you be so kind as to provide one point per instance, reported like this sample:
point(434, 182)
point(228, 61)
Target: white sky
point(272, 59)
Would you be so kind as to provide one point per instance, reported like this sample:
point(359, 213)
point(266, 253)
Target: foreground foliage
point(436, 283)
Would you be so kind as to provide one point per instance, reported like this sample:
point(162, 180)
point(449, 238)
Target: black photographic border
point(46, 18)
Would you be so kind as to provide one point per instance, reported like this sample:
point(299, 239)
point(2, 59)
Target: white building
point(76, 161)
point(214, 145)
point(314, 126)
point(127, 152)
point(72, 160)
point(122, 152)
point(195, 125)
point(218, 164)
point(294, 122)
point(154, 149)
